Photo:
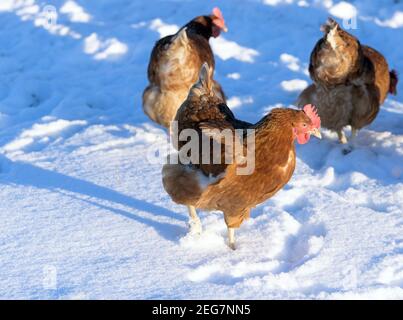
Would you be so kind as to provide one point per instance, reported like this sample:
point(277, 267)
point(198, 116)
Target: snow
point(290, 61)
point(226, 49)
point(396, 21)
point(276, 2)
point(234, 75)
point(236, 102)
point(104, 49)
point(83, 211)
point(343, 10)
point(296, 85)
point(75, 12)
point(162, 28)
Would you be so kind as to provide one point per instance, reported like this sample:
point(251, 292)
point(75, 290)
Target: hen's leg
point(350, 146)
point(343, 140)
point(342, 136)
point(354, 132)
point(231, 238)
point(194, 222)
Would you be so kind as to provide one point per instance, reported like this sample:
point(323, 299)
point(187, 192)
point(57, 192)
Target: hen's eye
point(304, 125)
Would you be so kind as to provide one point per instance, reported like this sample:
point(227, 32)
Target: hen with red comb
point(236, 188)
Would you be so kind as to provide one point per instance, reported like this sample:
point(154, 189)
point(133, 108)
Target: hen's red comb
point(217, 13)
point(312, 113)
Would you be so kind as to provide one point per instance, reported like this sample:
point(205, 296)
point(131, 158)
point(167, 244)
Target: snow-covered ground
point(84, 215)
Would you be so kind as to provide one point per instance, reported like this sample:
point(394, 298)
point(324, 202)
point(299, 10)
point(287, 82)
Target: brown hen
point(269, 163)
point(351, 81)
point(174, 65)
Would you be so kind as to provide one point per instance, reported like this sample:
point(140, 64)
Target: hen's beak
point(225, 29)
point(315, 132)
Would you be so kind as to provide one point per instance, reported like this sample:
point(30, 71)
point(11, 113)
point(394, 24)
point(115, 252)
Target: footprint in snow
point(268, 244)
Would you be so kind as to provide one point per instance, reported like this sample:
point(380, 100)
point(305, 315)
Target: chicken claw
point(195, 225)
point(231, 238)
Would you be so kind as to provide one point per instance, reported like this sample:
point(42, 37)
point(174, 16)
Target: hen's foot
point(342, 137)
point(195, 226)
point(231, 238)
point(350, 145)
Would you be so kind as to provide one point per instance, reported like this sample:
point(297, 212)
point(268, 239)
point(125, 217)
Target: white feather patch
point(331, 38)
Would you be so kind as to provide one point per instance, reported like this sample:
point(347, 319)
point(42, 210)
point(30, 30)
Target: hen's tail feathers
point(205, 77)
point(219, 92)
point(394, 79)
point(204, 84)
